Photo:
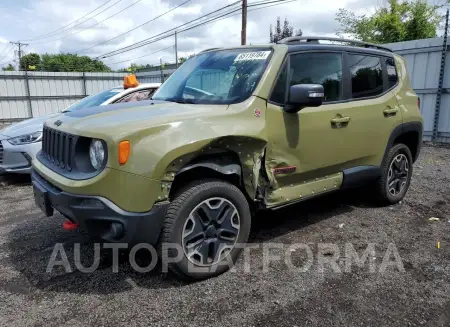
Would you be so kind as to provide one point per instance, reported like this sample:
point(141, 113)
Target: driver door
point(312, 143)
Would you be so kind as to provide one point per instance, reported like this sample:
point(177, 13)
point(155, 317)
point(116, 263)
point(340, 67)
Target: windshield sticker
point(258, 55)
point(116, 90)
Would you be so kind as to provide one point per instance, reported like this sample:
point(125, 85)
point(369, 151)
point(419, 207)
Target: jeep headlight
point(26, 138)
point(97, 154)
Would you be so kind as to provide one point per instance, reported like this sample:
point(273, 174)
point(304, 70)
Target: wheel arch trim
point(402, 129)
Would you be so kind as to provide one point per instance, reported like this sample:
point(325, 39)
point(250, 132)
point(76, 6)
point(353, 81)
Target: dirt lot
point(418, 296)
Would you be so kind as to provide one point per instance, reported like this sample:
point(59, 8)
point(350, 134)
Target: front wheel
point(206, 222)
point(396, 173)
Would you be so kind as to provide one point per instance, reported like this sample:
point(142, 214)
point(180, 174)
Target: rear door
point(373, 103)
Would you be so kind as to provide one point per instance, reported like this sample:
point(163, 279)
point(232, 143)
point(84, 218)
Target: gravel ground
point(418, 296)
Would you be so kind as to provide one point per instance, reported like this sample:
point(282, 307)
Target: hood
point(117, 120)
point(26, 126)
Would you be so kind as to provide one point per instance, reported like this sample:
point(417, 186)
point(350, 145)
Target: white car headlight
point(26, 139)
point(97, 154)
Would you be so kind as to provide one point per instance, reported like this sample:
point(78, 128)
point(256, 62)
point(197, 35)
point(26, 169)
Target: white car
point(19, 143)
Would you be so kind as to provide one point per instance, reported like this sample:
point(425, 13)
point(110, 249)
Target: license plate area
point(41, 199)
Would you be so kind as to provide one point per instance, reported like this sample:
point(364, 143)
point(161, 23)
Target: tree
point(8, 68)
point(71, 63)
point(31, 59)
point(398, 21)
point(281, 33)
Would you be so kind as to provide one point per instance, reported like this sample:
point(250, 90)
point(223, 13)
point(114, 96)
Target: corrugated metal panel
point(67, 87)
point(423, 60)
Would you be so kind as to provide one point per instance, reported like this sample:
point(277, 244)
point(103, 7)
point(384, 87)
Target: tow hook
point(69, 226)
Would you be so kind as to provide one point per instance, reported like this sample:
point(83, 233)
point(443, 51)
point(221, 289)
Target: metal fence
point(427, 61)
point(32, 94)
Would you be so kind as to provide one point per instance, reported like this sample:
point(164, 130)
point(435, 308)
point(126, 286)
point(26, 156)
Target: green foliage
point(281, 33)
point(182, 60)
point(399, 21)
point(62, 63)
point(8, 68)
point(71, 63)
point(133, 68)
point(31, 59)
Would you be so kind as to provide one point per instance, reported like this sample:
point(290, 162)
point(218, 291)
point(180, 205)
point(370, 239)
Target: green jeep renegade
point(230, 132)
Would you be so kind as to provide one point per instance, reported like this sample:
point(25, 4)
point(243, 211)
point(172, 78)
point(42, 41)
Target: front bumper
point(17, 158)
point(102, 218)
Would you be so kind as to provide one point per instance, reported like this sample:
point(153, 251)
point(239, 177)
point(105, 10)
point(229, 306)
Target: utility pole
point(176, 49)
point(162, 72)
point(437, 108)
point(244, 23)
point(20, 52)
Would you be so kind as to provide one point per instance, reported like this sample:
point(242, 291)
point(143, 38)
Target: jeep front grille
point(58, 147)
point(1, 152)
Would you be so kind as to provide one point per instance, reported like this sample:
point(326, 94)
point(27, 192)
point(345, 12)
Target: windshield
point(217, 77)
point(94, 100)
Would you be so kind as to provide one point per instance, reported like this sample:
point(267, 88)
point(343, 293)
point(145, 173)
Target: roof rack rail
point(316, 39)
point(210, 49)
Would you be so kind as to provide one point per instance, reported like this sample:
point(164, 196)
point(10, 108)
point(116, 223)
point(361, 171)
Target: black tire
point(385, 192)
point(176, 221)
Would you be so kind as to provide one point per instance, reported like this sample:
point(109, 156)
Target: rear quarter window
point(366, 75)
point(391, 72)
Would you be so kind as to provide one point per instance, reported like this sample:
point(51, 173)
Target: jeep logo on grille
point(58, 123)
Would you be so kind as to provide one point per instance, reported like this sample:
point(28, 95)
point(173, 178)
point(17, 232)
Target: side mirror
point(304, 95)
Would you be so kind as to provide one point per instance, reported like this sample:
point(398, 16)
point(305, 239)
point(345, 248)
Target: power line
point(115, 14)
point(120, 62)
point(149, 21)
point(61, 28)
point(7, 62)
point(20, 52)
point(160, 37)
point(269, 3)
point(147, 41)
point(5, 51)
point(215, 20)
point(172, 34)
point(83, 21)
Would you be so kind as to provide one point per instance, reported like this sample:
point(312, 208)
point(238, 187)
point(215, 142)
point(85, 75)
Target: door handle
point(340, 120)
point(390, 111)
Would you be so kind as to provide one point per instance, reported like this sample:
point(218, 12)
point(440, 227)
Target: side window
point(318, 68)
point(391, 72)
point(366, 74)
point(279, 91)
point(137, 96)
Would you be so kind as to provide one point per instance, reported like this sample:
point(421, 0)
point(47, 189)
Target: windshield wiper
point(181, 100)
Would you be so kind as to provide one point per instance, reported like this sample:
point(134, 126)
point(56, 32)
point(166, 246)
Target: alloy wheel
point(398, 174)
point(210, 231)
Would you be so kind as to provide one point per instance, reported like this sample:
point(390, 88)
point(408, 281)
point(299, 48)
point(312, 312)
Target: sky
point(34, 22)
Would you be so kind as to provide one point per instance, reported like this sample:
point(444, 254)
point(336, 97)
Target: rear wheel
point(396, 172)
point(206, 221)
